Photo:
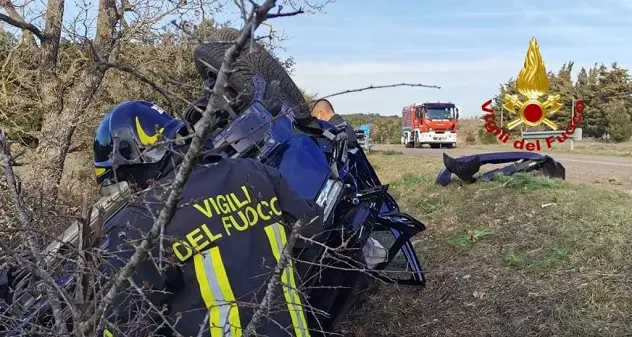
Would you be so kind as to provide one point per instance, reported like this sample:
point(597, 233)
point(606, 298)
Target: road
point(600, 171)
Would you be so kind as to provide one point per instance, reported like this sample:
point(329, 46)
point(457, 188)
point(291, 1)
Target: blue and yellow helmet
point(133, 134)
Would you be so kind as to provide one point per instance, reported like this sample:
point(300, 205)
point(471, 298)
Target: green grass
point(516, 256)
point(409, 179)
point(464, 238)
point(527, 181)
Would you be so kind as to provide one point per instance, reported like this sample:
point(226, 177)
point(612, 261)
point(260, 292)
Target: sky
point(467, 47)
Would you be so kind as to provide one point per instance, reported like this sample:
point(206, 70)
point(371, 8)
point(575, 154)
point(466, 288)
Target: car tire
point(257, 61)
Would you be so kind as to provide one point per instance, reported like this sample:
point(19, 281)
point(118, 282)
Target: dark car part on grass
point(316, 162)
point(466, 167)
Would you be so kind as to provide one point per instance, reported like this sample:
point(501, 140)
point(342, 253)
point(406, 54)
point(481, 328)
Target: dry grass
point(501, 264)
point(466, 126)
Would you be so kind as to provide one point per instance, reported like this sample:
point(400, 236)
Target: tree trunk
point(60, 121)
point(58, 129)
point(49, 53)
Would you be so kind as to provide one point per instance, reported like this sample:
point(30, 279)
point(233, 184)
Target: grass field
point(522, 256)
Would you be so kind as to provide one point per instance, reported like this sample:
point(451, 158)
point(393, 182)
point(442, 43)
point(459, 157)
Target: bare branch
point(371, 87)
point(25, 219)
point(23, 214)
point(280, 15)
point(134, 72)
point(16, 20)
point(272, 285)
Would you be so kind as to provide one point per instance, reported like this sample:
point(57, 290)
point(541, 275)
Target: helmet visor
point(129, 153)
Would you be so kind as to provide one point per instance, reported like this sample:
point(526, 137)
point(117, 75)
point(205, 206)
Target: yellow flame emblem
point(144, 138)
point(532, 82)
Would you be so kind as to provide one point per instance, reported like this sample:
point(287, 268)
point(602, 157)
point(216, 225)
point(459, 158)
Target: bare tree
point(64, 94)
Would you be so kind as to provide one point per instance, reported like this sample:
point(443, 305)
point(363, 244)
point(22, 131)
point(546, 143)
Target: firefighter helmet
point(132, 139)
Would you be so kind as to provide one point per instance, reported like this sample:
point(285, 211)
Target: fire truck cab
point(430, 123)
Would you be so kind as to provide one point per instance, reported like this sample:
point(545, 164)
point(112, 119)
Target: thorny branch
point(25, 219)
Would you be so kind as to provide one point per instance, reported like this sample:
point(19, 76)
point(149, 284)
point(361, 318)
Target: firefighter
point(323, 110)
point(220, 247)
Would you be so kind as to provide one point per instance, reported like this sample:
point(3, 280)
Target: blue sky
point(466, 47)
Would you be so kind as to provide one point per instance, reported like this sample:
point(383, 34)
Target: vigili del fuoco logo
point(532, 109)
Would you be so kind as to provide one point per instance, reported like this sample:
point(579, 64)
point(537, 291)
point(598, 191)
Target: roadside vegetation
point(520, 256)
point(607, 122)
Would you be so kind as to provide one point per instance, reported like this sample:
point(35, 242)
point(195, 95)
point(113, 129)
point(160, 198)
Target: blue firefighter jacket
point(219, 251)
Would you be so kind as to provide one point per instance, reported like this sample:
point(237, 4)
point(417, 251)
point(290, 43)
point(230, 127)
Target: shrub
point(487, 137)
point(470, 139)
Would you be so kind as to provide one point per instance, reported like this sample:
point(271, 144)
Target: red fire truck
point(429, 123)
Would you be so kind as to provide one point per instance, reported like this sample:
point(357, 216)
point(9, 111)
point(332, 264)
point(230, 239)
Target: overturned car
point(274, 125)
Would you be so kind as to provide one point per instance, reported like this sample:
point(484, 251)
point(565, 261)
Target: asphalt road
point(600, 171)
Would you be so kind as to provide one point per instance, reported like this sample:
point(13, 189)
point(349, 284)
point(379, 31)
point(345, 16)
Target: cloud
point(494, 63)
point(521, 10)
point(560, 30)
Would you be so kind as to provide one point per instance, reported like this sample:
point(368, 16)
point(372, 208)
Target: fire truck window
point(439, 113)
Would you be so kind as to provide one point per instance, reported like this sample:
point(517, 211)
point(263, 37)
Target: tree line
point(605, 90)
